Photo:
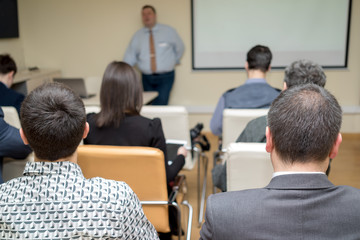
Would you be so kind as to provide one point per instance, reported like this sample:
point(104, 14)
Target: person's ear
point(86, 130)
point(269, 68)
point(335, 149)
point(23, 137)
point(269, 143)
point(246, 66)
point(11, 74)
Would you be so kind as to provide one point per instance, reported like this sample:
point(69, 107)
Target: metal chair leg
point(188, 231)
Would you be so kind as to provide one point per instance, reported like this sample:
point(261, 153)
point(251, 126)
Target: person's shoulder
point(258, 121)
point(100, 184)
point(228, 198)
point(349, 189)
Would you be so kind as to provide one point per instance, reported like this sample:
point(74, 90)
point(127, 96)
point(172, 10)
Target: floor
point(345, 170)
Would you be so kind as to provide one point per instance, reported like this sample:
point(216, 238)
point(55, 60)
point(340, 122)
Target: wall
point(81, 37)
point(14, 47)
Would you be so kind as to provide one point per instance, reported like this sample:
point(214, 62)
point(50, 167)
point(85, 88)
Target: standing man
point(254, 93)
point(155, 49)
point(300, 202)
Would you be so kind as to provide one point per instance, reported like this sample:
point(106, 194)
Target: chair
point(175, 123)
point(248, 166)
point(13, 168)
point(143, 169)
point(235, 120)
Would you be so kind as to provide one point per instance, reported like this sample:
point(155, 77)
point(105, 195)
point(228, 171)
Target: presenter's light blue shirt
point(168, 49)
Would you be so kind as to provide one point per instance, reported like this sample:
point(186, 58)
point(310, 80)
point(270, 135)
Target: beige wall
point(81, 37)
point(14, 47)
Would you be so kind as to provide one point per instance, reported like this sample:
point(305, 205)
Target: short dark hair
point(7, 64)
point(259, 58)
point(120, 94)
point(53, 119)
point(304, 71)
point(149, 6)
point(304, 122)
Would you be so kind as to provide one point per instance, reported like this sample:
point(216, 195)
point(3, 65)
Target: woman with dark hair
point(119, 122)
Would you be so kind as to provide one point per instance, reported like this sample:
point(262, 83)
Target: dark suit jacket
point(300, 206)
point(11, 144)
point(134, 131)
point(9, 97)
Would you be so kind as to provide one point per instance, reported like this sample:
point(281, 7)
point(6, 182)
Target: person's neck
point(310, 166)
point(256, 74)
point(72, 158)
point(5, 80)
point(151, 27)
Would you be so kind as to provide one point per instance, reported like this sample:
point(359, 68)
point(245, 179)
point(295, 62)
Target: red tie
point(152, 53)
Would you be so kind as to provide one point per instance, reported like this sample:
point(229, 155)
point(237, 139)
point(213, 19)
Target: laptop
point(76, 84)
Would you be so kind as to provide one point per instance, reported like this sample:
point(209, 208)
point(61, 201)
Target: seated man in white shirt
point(300, 202)
point(53, 200)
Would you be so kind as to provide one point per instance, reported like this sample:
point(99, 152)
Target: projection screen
point(224, 30)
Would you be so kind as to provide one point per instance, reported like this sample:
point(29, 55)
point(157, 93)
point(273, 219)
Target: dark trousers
point(162, 83)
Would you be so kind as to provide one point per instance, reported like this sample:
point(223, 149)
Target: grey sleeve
point(206, 231)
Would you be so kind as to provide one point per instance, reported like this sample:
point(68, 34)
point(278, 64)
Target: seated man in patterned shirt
point(53, 200)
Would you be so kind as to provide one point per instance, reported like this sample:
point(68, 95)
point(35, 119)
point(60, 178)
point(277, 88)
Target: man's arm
point(217, 118)
point(130, 56)
point(179, 47)
point(11, 144)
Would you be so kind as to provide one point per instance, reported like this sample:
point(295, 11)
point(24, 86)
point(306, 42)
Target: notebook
point(76, 84)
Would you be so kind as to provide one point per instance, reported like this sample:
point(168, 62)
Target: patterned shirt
point(53, 200)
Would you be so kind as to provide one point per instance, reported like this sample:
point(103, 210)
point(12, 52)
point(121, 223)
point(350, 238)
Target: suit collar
point(300, 181)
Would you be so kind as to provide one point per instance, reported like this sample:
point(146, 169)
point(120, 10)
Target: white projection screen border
point(224, 30)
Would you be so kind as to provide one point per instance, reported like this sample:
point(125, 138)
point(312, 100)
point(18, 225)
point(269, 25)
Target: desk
point(95, 101)
point(25, 81)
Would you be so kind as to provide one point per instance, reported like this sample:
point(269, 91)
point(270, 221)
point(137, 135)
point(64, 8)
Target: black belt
point(158, 74)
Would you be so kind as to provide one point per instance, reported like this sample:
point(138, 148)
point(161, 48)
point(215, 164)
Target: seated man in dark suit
point(8, 97)
point(299, 202)
point(299, 72)
point(53, 200)
point(11, 144)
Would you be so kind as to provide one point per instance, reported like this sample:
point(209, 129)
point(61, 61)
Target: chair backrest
point(11, 116)
point(235, 120)
point(175, 123)
point(248, 165)
point(142, 168)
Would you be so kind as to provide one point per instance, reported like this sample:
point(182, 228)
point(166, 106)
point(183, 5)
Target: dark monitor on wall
point(9, 25)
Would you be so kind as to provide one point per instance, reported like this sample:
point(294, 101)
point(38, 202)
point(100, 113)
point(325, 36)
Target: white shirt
point(168, 49)
point(275, 174)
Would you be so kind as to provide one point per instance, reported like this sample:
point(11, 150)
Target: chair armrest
point(179, 183)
